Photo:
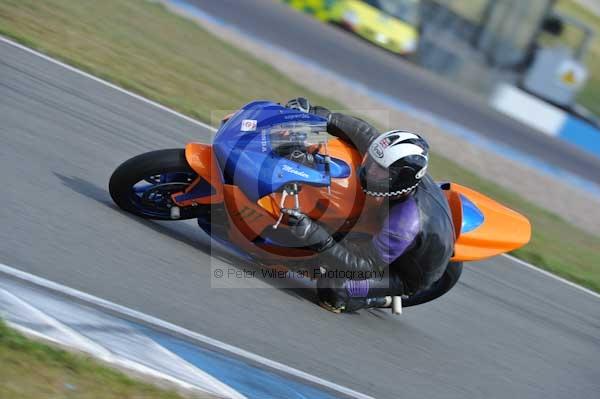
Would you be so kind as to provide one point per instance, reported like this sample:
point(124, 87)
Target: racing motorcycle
point(266, 157)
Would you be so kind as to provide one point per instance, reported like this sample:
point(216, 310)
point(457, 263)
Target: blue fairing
point(246, 157)
point(472, 216)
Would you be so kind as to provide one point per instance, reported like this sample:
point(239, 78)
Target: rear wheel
point(143, 184)
point(439, 288)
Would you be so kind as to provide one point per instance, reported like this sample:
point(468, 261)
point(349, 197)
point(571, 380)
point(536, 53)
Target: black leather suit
point(416, 240)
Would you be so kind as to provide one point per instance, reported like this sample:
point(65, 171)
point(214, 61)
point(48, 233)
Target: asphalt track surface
point(504, 331)
point(362, 62)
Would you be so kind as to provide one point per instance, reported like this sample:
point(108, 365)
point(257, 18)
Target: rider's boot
point(340, 295)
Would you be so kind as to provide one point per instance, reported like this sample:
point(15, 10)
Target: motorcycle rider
point(413, 247)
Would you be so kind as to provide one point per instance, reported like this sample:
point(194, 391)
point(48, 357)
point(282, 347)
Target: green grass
point(32, 370)
point(140, 46)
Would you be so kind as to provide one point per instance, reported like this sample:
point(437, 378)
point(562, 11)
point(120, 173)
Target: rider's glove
point(302, 104)
point(310, 232)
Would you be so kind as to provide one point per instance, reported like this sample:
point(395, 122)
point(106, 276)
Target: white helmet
point(394, 165)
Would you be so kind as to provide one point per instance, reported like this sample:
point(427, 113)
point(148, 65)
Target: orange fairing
point(200, 158)
point(503, 230)
point(247, 221)
point(341, 207)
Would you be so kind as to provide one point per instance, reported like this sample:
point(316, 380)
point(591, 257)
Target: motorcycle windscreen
point(487, 228)
point(264, 160)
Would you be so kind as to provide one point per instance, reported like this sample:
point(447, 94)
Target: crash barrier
point(546, 118)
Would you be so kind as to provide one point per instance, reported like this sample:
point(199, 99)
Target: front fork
point(207, 188)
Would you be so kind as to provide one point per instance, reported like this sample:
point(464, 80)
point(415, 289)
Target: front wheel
point(143, 184)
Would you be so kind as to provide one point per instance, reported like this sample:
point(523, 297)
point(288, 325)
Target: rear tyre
point(439, 288)
point(143, 184)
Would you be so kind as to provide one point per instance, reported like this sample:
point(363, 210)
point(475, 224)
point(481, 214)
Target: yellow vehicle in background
point(391, 24)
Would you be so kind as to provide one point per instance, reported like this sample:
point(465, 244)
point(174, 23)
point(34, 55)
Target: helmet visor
point(374, 177)
point(378, 180)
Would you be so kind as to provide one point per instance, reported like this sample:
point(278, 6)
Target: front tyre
point(143, 184)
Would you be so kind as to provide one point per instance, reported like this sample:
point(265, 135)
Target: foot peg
point(175, 213)
point(392, 302)
point(396, 305)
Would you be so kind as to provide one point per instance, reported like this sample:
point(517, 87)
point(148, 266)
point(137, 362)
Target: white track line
point(554, 276)
point(166, 326)
point(69, 337)
point(206, 126)
point(67, 334)
point(104, 82)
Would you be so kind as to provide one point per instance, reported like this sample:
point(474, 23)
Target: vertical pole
point(538, 32)
point(486, 16)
